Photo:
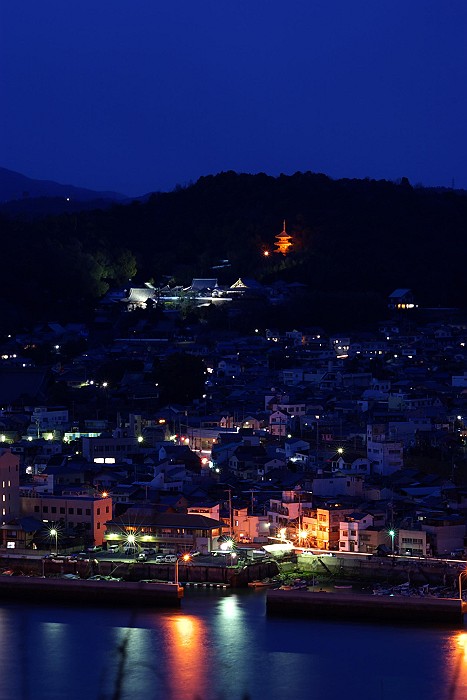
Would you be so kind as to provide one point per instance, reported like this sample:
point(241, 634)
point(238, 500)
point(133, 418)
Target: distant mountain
point(14, 186)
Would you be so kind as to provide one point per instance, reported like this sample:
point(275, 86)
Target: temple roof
point(199, 284)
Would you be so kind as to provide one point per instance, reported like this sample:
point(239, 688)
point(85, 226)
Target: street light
point(464, 571)
point(302, 535)
point(131, 543)
point(185, 557)
point(392, 534)
point(54, 533)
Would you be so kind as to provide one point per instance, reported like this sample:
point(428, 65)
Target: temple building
point(283, 242)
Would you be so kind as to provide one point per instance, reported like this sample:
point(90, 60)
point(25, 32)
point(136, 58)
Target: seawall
point(135, 571)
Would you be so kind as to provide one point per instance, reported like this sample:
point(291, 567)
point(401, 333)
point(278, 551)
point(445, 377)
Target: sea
point(221, 645)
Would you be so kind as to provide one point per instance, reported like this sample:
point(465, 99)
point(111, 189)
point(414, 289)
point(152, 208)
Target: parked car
point(160, 559)
point(113, 547)
point(80, 556)
point(142, 556)
point(149, 552)
point(170, 558)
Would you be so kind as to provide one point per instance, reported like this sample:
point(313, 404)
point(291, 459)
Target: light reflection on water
point(221, 646)
point(456, 656)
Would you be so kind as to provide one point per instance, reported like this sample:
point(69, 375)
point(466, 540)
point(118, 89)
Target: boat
point(261, 584)
point(347, 586)
point(297, 585)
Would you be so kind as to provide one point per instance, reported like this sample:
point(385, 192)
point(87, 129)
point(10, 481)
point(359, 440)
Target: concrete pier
point(102, 593)
point(340, 606)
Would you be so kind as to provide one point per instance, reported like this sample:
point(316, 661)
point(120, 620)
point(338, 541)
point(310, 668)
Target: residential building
point(446, 533)
point(385, 455)
point(338, 485)
point(412, 542)
point(9, 485)
point(351, 530)
point(71, 512)
point(322, 526)
point(249, 528)
point(107, 449)
point(169, 532)
point(278, 424)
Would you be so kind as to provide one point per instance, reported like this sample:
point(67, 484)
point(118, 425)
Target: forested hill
point(352, 238)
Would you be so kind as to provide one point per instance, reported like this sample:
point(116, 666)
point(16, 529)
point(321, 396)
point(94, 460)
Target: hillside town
point(351, 442)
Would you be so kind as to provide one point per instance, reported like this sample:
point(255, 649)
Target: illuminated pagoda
point(283, 242)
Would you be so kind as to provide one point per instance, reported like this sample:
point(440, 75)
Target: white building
point(385, 455)
point(339, 485)
point(47, 420)
point(412, 542)
point(350, 532)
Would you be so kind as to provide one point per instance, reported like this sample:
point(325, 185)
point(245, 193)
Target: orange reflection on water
point(457, 663)
point(186, 640)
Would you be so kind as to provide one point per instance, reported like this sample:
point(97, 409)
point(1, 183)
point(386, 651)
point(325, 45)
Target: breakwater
point(348, 606)
point(102, 593)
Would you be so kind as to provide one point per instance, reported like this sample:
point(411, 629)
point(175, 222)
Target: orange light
point(266, 253)
point(104, 494)
point(186, 557)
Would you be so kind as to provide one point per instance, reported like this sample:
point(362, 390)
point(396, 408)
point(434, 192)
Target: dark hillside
point(353, 239)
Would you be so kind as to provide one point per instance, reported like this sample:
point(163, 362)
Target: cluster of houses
point(348, 442)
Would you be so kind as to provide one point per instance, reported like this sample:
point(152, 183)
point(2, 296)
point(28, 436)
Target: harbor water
point(221, 646)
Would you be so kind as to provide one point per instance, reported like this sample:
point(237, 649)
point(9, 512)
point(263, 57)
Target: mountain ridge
point(15, 186)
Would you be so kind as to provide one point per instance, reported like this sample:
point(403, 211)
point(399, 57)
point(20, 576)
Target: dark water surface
point(221, 646)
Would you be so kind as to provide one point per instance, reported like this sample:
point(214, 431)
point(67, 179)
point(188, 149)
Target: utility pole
point(300, 519)
point(317, 439)
point(229, 491)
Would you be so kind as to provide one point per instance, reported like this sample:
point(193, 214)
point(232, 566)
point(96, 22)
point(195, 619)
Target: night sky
point(138, 96)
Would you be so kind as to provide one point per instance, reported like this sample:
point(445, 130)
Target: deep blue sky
point(139, 95)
